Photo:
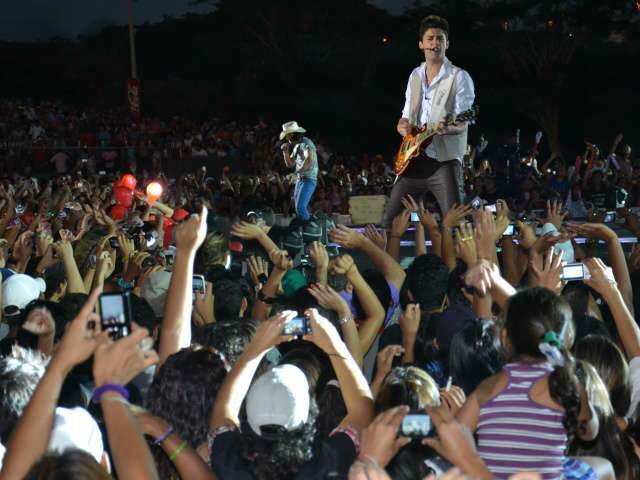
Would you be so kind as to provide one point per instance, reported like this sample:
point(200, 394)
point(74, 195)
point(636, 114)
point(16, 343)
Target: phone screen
point(609, 217)
point(198, 283)
point(416, 426)
point(414, 217)
point(510, 230)
point(115, 313)
point(573, 271)
point(491, 207)
point(297, 326)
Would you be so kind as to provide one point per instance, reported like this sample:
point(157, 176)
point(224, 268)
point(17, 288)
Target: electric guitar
point(414, 144)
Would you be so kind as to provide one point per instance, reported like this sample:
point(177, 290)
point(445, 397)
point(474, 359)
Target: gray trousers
point(446, 184)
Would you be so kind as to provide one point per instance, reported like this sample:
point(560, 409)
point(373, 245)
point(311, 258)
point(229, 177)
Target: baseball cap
point(278, 398)
point(154, 291)
point(76, 428)
point(566, 247)
point(18, 291)
point(293, 281)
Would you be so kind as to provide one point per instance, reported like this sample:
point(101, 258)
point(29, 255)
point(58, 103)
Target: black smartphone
point(149, 262)
point(114, 242)
point(198, 284)
point(416, 425)
point(297, 326)
point(115, 314)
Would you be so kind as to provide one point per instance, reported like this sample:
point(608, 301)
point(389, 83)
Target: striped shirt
point(517, 434)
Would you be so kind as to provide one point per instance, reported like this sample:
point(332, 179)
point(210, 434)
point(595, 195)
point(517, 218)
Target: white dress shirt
point(465, 95)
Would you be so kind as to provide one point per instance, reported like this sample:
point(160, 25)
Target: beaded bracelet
point(164, 436)
point(109, 387)
point(177, 451)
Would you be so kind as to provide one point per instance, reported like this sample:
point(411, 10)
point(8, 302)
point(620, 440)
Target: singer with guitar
point(434, 142)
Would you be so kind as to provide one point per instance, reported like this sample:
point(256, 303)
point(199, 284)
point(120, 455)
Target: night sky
point(30, 20)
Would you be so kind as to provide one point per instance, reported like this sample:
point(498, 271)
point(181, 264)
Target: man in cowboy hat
point(300, 153)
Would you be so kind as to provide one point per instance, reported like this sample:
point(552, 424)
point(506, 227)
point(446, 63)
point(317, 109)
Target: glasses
point(11, 310)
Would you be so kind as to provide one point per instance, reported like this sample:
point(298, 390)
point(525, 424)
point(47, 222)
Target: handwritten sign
point(367, 209)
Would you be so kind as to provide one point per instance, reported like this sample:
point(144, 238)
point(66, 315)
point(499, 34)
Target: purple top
point(516, 433)
point(395, 303)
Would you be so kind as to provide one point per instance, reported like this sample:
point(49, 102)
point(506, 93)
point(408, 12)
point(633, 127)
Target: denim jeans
point(302, 196)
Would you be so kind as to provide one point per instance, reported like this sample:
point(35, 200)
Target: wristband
point(164, 436)
point(262, 278)
point(177, 451)
point(122, 283)
point(265, 299)
point(109, 387)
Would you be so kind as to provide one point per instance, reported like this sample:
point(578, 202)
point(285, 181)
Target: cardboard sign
point(366, 209)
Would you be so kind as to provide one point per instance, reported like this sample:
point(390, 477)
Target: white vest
point(448, 147)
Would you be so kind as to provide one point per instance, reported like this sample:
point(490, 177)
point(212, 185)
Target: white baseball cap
point(76, 428)
point(280, 397)
point(19, 290)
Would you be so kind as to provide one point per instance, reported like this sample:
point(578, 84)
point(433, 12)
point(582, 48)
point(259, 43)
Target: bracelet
point(109, 387)
point(164, 436)
point(262, 278)
point(345, 319)
point(177, 451)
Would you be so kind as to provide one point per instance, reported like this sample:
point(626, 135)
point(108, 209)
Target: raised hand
point(550, 274)
point(400, 224)
point(190, 234)
point(378, 237)
point(555, 214)
point(455, 216)
point(318, 254)
point(346, 237)
point(466, 245)
point(258, 269)
point(246, 230)
point(380, 440)
point(281, 260)
point(328, 298)
point(342, 265)
point(384, 359)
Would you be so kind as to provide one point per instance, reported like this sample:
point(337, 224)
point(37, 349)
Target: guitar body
point(410, 148)
point(414, 144)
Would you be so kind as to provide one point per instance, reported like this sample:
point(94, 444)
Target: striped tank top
point(517, 434)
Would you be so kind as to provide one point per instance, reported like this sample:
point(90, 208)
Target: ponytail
point(563, 388)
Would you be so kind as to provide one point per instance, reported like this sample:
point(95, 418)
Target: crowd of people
point(239, 353)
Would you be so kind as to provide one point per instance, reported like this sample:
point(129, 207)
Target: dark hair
point(72, 464)
point(228, 338)
point(577, 295)
point(229, 294)
point(531, 313)
point(281, 459)
point(53, 278)
point(380, 287)
point(475, 354)
point(20, 373)
point(612, 367)
point(408, 463)
point(610, 443)
point(427, 280)
point(305, 360)
point(332, 409)
point(143, 314)
point(183, 392)
point(433, 21)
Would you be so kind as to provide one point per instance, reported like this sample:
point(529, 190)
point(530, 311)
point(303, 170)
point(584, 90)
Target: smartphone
point(510, 230)
point(169, 257)
point(476, 203)
point(609, 217)
point(414, 217)
point(114, 242)
point(491, 207)
point(198, 283)
point(574, 271)
point(149, 262)
point(416, 426)
point(115, 314)
point(297, 326)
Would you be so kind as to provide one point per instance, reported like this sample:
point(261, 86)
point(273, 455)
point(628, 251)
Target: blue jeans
point(302, 196)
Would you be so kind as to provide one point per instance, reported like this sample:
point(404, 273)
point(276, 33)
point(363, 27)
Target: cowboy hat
point(290, 127)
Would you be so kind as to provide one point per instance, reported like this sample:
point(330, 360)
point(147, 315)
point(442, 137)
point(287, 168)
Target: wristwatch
point(345, 319)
